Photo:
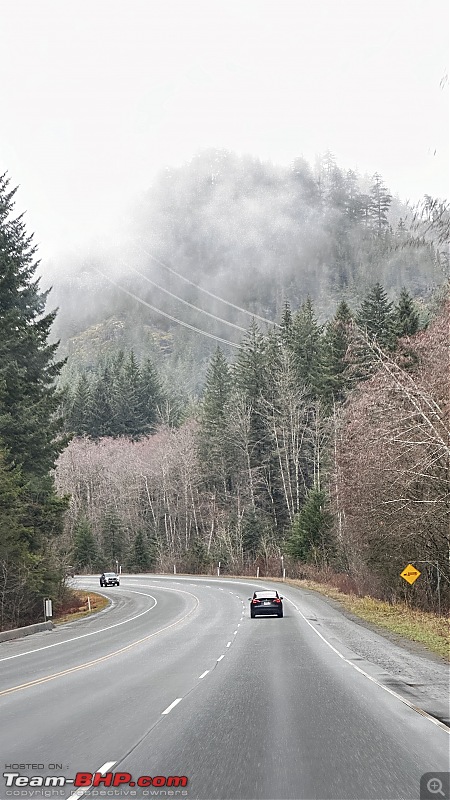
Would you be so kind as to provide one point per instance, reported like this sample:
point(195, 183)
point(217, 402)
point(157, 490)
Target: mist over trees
point(259, 467)
point(255, 234)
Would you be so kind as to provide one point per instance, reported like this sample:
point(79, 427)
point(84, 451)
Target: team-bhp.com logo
point(94, 779)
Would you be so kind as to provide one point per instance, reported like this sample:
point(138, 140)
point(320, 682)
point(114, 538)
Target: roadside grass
point(419, 626)
point(77, 606)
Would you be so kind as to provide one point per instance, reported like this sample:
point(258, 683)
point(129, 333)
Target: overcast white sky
point(98, 95)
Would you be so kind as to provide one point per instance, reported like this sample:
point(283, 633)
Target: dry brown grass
point(77, 606)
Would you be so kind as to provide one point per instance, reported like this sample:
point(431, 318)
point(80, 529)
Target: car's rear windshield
point(265, 594)
point(110, 574)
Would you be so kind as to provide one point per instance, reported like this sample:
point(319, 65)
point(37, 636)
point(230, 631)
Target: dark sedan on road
point(266, 602)
point(109, 579)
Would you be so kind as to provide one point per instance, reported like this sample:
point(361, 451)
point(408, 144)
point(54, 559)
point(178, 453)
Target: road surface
point(175, 679)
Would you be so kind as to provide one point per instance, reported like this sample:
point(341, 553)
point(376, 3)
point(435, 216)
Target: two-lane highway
point(176, 679)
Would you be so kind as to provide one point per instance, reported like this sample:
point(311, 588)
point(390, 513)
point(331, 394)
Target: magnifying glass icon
point(434, 786)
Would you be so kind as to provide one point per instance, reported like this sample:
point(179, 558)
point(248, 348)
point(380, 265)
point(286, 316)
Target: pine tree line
point(118, 398)
point(265, 420)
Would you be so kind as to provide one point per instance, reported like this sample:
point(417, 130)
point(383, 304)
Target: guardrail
point(17, 633)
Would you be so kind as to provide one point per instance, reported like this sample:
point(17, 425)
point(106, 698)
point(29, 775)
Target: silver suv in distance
point(109, 579)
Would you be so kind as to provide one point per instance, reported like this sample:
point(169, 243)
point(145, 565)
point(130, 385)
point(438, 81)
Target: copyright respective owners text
point(102, 784)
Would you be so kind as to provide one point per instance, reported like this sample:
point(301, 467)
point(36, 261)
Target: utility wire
point(215, 296)
point(174, 319)
point(186, 302)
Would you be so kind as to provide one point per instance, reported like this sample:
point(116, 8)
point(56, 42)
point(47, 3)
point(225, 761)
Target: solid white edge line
point(92, 633)
point(220, 658)
point(371, 678)
point(172, 705)
point(82, 790)
point(203, 674)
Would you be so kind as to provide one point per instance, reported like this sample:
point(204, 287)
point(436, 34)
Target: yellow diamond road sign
point(410, 574)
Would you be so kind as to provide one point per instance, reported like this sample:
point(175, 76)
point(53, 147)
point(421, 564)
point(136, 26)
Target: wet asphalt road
point(264, 708)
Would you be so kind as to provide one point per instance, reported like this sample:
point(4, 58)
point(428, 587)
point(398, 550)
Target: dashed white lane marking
point(229, 644)
point(220, 658)
point(235, 632)
point(102, 770)
point(203, 674)
point(370, 677)
point(172, 705)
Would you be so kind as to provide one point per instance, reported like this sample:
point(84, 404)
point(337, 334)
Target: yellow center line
point(87, 664)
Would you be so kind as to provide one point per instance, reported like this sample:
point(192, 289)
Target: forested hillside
point(327, 445)
point(227, 235)
point(259, 378)
point(277, 440)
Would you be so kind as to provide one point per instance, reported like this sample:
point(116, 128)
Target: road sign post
point(435, 564)
point(48, 610)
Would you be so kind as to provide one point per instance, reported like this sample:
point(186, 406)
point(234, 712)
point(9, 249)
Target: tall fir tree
point(336, 378)
point(30, 422)
point(85, 554)
point(29, 425)
point(376, 317)
point(406, 316)
point(307, 348)
point(380, 201)
point(311, 535)
point(215, 449)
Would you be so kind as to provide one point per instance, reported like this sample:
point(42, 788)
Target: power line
point(186, 302)
point(164, 314)
point(200, 288)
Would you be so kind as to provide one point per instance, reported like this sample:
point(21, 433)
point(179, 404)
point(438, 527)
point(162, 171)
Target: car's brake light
point(255, 601)
point(276, 600)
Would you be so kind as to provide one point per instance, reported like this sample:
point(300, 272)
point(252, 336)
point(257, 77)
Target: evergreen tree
point(215, 449)
point(140, 557)
point(112, 537)
point(13, 534)
point(380, 201)
point(77, 419)
point(85, 555)
point(311, 538)
point(406, 316)
point(101, 414)
point(353, 203)
point(286, 325)
point(376, 317)
point(306, 347)
point(30, 425)
point(151, 394)
point(251, 533)
point(29, 401)
point(249, 368)
point(336, 377)
point(129, 418)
